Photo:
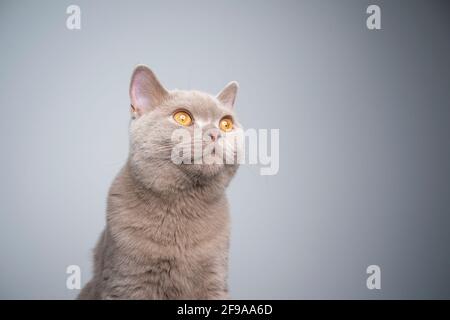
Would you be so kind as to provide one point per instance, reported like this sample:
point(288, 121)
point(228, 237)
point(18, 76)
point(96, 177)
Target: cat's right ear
point(146, 92)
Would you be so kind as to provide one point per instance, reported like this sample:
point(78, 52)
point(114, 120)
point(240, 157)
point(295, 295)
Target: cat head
point(159, 116)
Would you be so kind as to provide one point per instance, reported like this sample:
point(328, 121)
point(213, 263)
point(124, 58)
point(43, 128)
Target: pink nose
point(213, 135)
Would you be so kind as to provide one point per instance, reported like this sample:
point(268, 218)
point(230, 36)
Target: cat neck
point(172, 190)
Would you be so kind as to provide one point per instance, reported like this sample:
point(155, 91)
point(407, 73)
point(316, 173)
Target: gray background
point(364, 119)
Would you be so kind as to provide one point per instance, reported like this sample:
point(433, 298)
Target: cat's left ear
point(228, 94)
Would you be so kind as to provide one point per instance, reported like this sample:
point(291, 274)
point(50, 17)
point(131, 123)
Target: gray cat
point(167, 229)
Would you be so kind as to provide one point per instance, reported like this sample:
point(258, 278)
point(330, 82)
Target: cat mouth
point(206, 159)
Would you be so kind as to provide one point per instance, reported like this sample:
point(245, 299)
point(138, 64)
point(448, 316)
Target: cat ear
point(146, 92)
point(228, 94)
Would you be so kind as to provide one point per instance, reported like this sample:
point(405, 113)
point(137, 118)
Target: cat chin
point(205, 170)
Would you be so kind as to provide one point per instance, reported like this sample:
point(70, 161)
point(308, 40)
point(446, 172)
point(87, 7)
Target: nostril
point(213, 136)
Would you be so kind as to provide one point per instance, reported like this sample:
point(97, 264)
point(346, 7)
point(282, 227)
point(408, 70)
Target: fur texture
point(167, 229)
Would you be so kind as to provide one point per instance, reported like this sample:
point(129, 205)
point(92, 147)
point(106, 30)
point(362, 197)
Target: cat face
point(188, 121)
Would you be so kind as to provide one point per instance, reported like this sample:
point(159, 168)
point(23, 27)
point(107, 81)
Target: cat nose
point(213, 134)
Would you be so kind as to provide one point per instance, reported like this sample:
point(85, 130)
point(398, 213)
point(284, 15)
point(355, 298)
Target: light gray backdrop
point(364, 119)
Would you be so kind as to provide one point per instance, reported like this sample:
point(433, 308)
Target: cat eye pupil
point(226, 124)
point(183, 118)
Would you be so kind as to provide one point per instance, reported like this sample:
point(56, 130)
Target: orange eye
point(183, 118)
point(226, 124)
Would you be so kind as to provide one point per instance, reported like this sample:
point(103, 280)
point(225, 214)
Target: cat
point(167, 224)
